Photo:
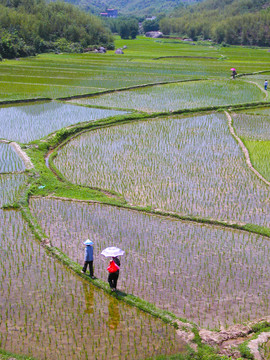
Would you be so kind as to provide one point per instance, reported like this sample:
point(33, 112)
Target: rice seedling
point(253, 124)
point(9, 160)
point(190, 166)
point(187, 95)
point(25, 123)
point(213, 276)
point(10, 187)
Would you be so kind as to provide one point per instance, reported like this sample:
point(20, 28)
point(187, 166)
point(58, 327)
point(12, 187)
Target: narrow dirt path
point(244, 149)
point(262, 89)
point(26, 160)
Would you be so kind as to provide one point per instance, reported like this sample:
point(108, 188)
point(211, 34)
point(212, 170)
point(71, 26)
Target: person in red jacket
point(113, 269)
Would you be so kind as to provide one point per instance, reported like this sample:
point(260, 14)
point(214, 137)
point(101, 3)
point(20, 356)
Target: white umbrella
point(112, 251)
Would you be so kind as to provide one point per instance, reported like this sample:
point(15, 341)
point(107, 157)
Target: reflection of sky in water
point(26, 123)
point(9, 160)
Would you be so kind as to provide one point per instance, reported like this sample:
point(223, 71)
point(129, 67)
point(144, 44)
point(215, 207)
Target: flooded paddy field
point(211, 275)
point(49, 313)
point(253, 126)
point(11, 186)
point(258, 78)
point(28, 122)
point(187, 95)
point(9, 160)
point(189, 165)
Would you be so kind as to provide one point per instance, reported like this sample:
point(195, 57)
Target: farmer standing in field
point(265, 85)
point(88, 257)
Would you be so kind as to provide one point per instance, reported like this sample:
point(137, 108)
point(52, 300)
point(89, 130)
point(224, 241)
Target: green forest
point(28, 27)
point(236, 22)
point(132, 7)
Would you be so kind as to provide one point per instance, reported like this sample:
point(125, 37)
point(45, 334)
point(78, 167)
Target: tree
point(128, 29)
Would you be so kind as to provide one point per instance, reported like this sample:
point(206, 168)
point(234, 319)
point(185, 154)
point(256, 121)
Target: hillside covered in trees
point(239, 22)
point(28, 27)
point(132, 7)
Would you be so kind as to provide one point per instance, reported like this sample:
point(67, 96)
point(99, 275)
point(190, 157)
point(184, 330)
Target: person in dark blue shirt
point(88, 257)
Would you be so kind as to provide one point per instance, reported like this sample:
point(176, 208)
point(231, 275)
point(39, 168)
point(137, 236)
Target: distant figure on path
point(88, 257)
point(265, 85)
point(233, 73)
point(113, 269)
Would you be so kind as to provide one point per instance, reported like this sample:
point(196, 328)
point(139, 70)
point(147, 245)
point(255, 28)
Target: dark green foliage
point(151, 25)
point(128, 29)
point(234, 22)
point(245, 352)
point(260, 326)
point(12, 46)
point(140, 8)
point(33, 26)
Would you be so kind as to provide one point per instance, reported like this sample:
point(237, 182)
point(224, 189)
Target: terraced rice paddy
point(49, 313)
point(10, 187)
point(187, 95)
point(9, 160)
point(25, 123)
point(211, 275)
point(190, 165)
point(187, 165)
point(253, 126)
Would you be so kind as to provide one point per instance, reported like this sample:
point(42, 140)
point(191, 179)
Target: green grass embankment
point(259, 152)
point(6, 355)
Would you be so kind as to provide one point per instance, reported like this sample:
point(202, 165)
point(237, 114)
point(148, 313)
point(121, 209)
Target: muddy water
point(210, 275)
point(49, 313)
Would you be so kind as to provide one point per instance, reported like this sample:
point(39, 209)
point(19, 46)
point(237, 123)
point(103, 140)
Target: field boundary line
point(22, 101)
point(109, 91)
point(244, 149)
point(254, 73)
point(186, 57)
point(25, 158)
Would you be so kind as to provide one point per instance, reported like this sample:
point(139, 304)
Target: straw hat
point(88, 242)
